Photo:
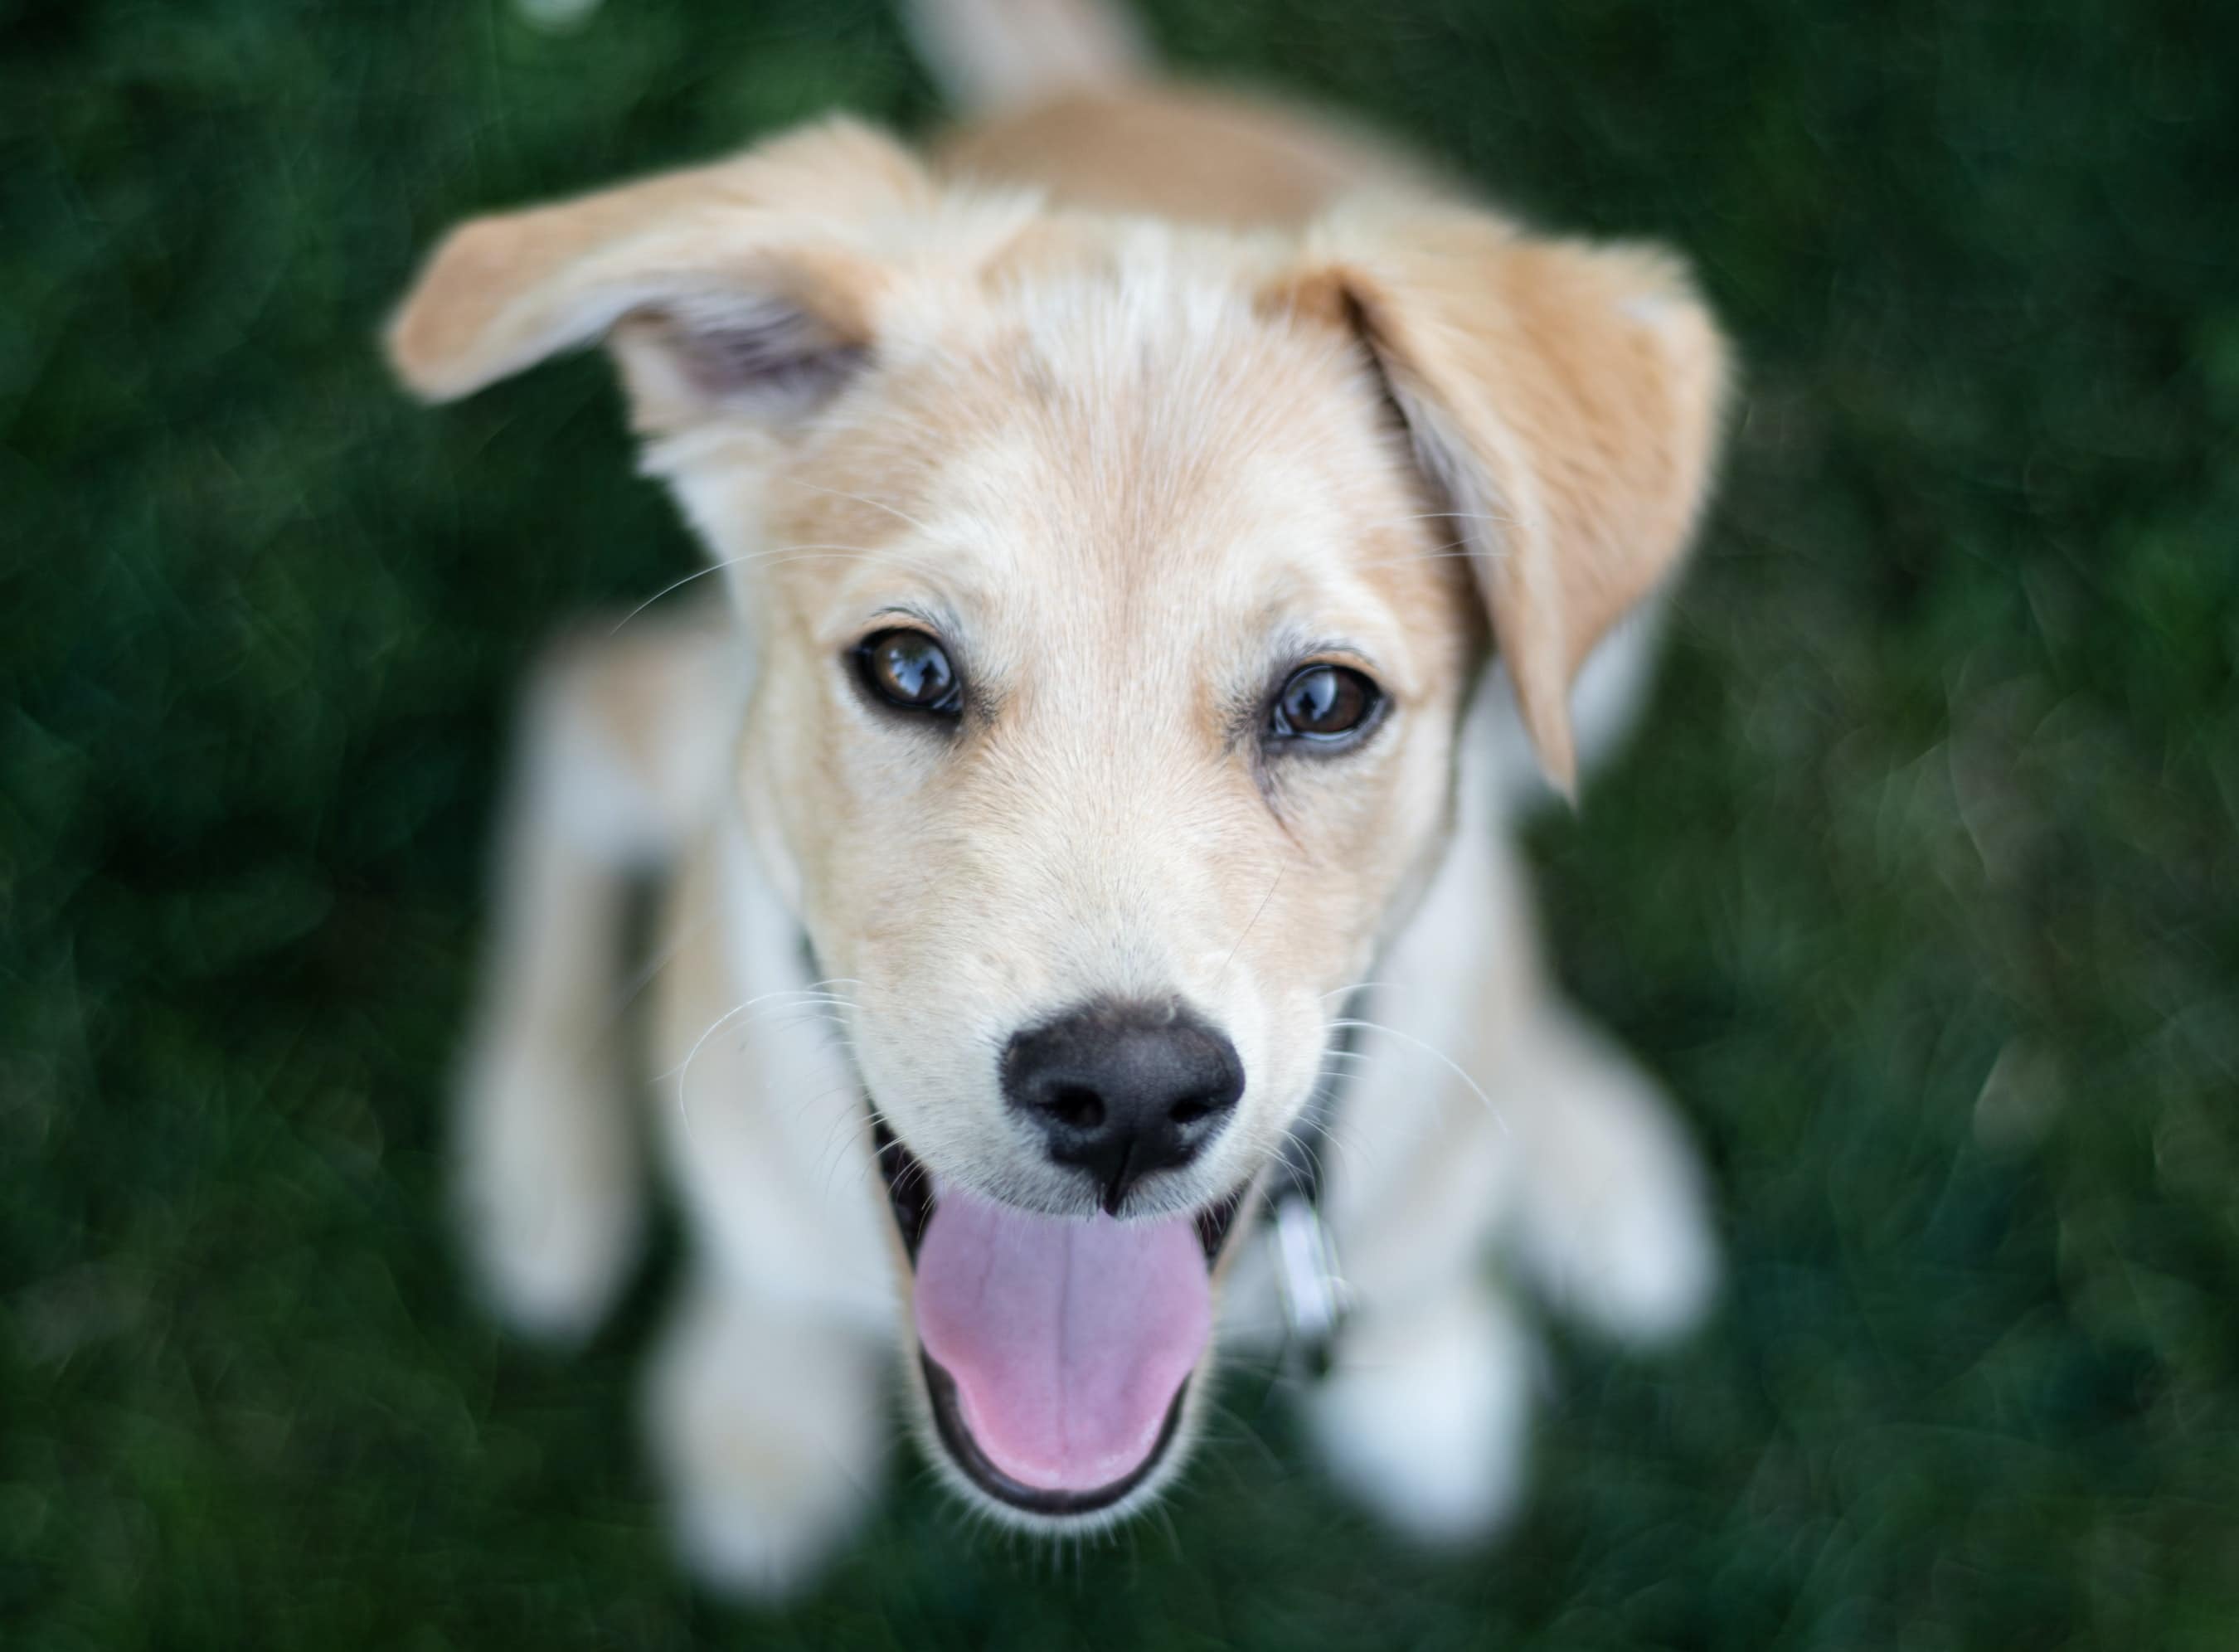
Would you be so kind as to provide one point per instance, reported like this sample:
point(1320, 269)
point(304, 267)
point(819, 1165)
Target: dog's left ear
point(750, 289)
point(1566, 398)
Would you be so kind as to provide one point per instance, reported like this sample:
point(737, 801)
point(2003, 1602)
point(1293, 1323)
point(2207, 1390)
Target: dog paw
point(1612, 1219)
point(769, 1433)
point(549, 1185)
point(1425, 1418)
point(754, 1548)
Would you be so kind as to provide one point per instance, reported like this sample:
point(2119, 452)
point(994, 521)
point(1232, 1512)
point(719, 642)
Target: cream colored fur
point(1128, 457)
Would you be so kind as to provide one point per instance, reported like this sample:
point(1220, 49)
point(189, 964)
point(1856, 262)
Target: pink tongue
point(1067, 1340)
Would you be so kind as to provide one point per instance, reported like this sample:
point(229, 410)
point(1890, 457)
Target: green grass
point(1922, 888)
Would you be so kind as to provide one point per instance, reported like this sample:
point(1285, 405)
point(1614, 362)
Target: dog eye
point(910, 669)
point(1323, 704)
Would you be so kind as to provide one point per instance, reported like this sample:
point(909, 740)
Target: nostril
point(1077, 1105)
point(1189, 1110)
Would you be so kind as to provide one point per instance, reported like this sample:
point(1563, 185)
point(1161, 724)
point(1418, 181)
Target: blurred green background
point(1921, 889)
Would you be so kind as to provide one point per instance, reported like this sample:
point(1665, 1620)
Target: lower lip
point(972, 1462)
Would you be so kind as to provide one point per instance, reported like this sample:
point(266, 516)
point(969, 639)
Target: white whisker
point(777, 555)
point(1436, 1054)
point(1356, 987)
point(860, 499)
point(1281, 866)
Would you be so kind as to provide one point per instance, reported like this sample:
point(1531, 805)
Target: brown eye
point(1323, 704)
point(910, 669)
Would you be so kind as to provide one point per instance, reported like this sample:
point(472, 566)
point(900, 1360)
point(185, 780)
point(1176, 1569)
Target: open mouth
point(1057, 1350)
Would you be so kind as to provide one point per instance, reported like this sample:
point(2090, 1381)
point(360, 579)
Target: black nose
point(1122, 1089)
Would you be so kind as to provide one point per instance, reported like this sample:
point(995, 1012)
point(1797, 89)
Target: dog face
point(1114, 590)
point(1106, 731)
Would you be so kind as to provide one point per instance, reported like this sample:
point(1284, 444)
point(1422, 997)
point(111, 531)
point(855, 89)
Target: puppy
point(1151, 524)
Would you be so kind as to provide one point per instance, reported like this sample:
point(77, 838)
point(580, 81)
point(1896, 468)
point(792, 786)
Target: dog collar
point(1316, 1299)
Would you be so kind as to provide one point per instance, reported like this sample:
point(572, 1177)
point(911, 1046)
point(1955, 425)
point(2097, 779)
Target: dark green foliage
point(1922, 887)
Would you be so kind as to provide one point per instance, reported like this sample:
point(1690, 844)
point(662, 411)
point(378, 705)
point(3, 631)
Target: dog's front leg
point(1611, 1215)
point(768, 1422)
point(1425, 1416)
point(619, 748)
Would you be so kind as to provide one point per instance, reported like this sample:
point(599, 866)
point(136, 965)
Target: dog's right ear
point(1564, 398)
point(747, 289)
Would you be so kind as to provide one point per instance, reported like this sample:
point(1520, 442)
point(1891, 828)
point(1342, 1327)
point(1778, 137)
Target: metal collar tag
point(1315, 1297)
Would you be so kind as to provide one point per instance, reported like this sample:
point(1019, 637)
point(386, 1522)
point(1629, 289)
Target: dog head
point(1114, 590)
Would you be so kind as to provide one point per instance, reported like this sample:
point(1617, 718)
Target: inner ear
point(751, 355)
point(773, 353)
point(744, 354)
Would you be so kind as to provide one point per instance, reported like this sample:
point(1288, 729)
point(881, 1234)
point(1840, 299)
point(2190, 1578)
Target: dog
point(1164, 540)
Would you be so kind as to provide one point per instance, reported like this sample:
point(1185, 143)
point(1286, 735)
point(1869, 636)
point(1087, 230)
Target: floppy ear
point(1566, 398)
point(750, 286)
